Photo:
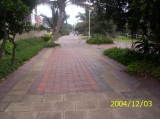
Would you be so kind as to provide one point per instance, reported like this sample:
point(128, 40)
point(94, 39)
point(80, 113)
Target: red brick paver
point(68, 71)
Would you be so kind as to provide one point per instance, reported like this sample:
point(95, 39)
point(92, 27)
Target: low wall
point(31, 34)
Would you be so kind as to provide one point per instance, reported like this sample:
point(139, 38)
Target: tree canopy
point(138, 14)
point(12, 20)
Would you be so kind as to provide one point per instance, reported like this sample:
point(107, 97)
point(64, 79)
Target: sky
point(72, 10)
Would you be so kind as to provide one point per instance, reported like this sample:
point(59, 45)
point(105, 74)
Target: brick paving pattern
point(67, 70)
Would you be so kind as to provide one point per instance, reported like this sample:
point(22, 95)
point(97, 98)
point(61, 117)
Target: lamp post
point(89, 34)
point(89, 25)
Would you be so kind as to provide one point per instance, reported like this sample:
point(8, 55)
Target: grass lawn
point(125, 39)
point(84, 37)
point(99, 41)
point(26, 49)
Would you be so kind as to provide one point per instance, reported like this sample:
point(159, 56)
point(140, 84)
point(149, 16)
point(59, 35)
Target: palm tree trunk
point(58, 25)
point(60, 16)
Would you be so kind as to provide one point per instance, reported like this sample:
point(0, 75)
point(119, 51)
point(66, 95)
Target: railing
point(135, 36)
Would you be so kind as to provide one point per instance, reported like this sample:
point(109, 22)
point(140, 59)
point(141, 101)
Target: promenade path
point(75, 81)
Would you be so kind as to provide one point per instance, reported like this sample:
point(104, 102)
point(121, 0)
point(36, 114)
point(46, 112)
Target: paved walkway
point(75, 81)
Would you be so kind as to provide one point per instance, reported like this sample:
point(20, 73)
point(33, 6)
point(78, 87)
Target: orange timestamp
point(131, 103)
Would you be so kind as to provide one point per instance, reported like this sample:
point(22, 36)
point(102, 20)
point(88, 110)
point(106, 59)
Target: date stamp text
point(131, 103)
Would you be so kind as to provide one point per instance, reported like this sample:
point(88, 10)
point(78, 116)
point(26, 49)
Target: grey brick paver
point(145, 94)
point(32, 98)
point(82, 105)
point(131, 95)
point(17, 92)
point(105, 103)
point(6, 115)
point(50, 115)
point(73, 97)
point(76, 115)
point(101, 114)
point(126, 113)
point(3, 106)
point(152, 112)
point(53, 97)
point(92, 96)
point(22, 87)
point(61, 106)
point(12, 98)
point(112, 95)
point(23, 106)
point(121, 88)
point(25, 115)
point(41, 106)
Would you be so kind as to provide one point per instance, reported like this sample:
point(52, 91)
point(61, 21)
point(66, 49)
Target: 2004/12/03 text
point(131, 103)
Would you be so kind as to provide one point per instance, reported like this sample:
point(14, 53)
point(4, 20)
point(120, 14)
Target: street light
point(89, 25)
point(89, 19)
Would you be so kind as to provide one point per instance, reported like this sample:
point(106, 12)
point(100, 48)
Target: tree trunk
point(92, 35)
point(106, 34)
point(5, 36)
point(3, 46)
point(132, 41)
point(14, 49)
point(97, 36)
point(58, 25)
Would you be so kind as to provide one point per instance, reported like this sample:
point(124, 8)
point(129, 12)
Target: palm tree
point(61, 5)
point(81, 16)
point(82, 27)
point(52, 22)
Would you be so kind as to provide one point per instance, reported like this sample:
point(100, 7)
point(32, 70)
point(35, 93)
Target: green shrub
point(145, 64)
point(8, 48)
point(28, 48)
point(6, 69)
point(47, 37)
point(27, 43)
point(119, 55)
point(51, 44)
point(145, 46)
point(156, 72)
point(99, 41)
point(29, 52)
point(141, 67)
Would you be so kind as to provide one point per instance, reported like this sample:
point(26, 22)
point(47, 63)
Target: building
point(32, 17)
point(39, 20)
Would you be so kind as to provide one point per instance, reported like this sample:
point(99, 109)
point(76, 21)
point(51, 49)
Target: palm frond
point(78, 1)
point(81, 16)
point(48, 20)
point(44, 1)
point(81, 3)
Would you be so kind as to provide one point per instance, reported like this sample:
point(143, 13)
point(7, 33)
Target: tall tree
point(146, 17)
point(52, 22)
point(81, 16)
point(116, 10)
point(61, 4)
point(82, 27)
point(12, 21)
point(138, 14)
